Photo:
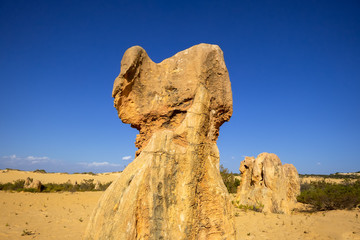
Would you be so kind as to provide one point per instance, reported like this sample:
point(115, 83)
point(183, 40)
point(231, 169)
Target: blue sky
point(294, 68)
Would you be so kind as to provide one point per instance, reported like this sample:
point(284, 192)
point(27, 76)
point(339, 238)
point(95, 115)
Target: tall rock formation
point(173, 188)
point(267, 184)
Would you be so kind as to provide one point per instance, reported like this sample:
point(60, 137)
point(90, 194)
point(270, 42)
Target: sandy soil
point(13, 175)
point(337, 224)
point(65, 215)
point(45, 215)
point(328, 180)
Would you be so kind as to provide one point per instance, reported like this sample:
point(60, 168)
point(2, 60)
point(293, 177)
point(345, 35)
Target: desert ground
point(13, 175)
point(65, 215)
point(327, 180)
point(336, 224)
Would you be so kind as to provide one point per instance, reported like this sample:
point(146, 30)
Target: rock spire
point(173, 188)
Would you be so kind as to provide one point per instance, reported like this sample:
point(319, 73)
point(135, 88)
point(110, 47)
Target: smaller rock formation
point(27, 183)
point(268, 185)
point(35, 184)
point(97, 185)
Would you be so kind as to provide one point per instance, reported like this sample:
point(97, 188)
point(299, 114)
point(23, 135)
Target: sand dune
point(13, 175)
point(328, 180)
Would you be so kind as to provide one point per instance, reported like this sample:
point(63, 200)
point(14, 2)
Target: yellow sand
point(328, 180)
point(65, 216)
point(336, 224)
point(13, 175)
point(46, 215)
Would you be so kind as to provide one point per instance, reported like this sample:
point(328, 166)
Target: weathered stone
point(35, 184)
point(97, 185)
point(27, 183)
point(268, 185)
point(173, 188)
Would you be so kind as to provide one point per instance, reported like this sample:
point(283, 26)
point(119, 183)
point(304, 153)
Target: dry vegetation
point(84, 185)
point(329, 196)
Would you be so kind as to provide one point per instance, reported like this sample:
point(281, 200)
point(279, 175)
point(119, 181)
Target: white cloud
point(10, 157)
point(318, 163)
point(97, 164)
point(100, 164)
point(126, 158)
point(28, 163)
point(36, 158)
point(25, 160)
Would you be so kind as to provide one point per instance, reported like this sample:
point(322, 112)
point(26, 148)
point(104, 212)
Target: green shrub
point(86, 185)
point(329, 196)
point(229, 179)
point(59, 187)
point(29, 190)
point(89, 173)
point(39, 171)
point(104, 186)
point(27, 232)
point(17, 185)
point(334, 175)
point(257, 207)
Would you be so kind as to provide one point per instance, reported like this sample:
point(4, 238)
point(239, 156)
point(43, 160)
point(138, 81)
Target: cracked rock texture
point(173, 188)
point(267, 184)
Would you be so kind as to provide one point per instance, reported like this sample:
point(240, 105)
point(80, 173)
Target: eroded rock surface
point(173, 188)
point(268, 185)
point(34, 184)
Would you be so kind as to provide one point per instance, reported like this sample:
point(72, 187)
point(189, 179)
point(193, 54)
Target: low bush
point(334, 175)
point(103, 187)
point(258, 207)
point(12, 169)
point(17, 185)
point(59, 187)
point(229, 179)
point(89, 173)
point(85, 185)
point(329, 196)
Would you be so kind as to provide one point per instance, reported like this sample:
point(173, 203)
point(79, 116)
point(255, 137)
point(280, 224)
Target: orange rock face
point(173, 188)
point(152, 96)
